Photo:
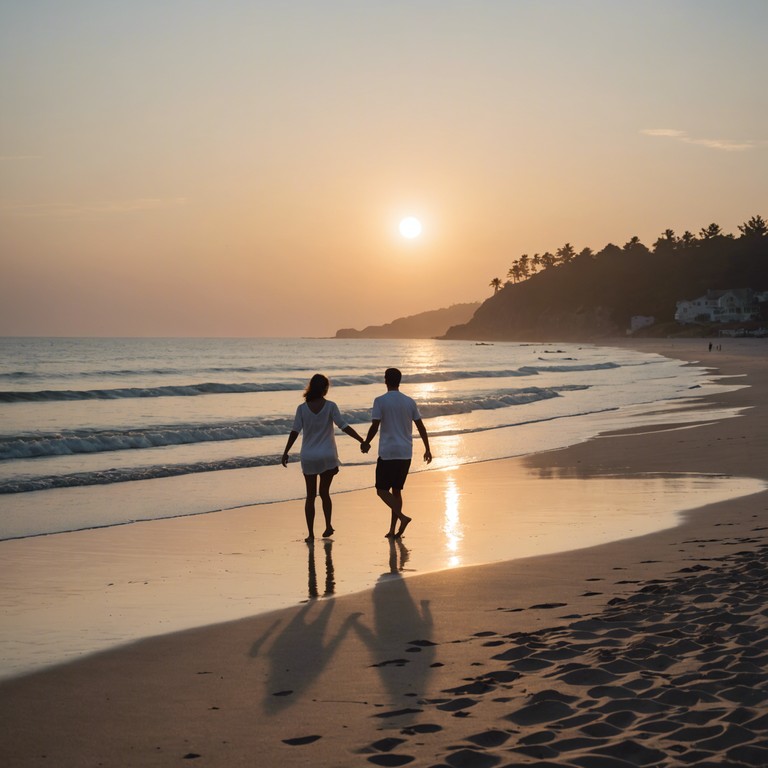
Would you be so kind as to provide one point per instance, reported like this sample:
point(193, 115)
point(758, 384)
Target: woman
point(319, 459)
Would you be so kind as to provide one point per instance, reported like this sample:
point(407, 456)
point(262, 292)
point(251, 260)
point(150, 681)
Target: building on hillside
point(734, 305)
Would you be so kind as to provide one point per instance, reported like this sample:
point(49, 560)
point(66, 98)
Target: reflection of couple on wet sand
point(392, 415)
point(307, 643)
point(330, 581)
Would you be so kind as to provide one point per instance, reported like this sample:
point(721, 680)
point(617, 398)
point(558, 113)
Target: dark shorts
point(391, 473)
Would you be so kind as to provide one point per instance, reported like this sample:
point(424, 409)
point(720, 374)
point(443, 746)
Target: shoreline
point(225, 691)
point(130, 583)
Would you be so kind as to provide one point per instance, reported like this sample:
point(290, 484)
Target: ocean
point(99, 432)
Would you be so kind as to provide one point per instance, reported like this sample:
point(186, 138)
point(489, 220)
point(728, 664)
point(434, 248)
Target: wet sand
point(643, 651)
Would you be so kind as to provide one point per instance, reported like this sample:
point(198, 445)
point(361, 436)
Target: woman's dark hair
point(317, 387)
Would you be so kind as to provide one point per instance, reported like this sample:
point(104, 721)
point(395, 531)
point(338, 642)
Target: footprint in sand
point(474, 688)
point(457, 704)
point(470, 758)
point(539, 712)
point(412, 730)
point(489, 739)
point(386, 745)
point(398, 713)
point(301, 740)
point(391, 761)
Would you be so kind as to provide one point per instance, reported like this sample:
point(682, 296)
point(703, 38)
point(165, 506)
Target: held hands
point(365, 446)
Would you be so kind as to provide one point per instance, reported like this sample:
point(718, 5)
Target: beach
point(647, 650)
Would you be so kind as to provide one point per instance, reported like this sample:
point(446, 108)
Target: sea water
point(98, 432)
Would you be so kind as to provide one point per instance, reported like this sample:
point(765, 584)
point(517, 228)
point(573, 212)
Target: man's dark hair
point(392, 377)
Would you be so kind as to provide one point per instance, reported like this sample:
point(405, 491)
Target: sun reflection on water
point(452, 527)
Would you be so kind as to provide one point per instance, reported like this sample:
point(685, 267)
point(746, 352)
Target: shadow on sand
point(300, 651)
point(399, 642)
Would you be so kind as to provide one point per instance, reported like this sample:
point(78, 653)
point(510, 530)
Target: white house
point(728, 306)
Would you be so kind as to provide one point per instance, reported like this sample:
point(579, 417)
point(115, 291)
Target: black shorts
point(391, 473)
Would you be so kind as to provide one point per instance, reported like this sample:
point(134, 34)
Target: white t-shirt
point(396, 412)
point(318, 444)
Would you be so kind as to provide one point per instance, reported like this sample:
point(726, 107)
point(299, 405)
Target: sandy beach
point(645, 651)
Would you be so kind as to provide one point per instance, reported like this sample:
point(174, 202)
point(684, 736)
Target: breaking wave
point(219, 388)
point(81, 441)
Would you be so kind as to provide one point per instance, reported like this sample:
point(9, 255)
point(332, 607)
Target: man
point(394, 412)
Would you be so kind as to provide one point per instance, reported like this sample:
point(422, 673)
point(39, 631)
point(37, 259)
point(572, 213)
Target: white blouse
point(318, 443)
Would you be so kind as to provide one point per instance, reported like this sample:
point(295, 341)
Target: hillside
point(425, 325)
point(593, 295)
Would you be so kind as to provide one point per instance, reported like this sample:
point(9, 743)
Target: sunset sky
point(240, 167)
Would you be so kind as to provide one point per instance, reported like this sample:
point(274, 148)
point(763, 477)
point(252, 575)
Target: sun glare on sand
point(410, 227)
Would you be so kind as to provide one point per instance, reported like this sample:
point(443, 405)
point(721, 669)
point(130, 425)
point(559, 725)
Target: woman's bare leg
point(309, 505)
point(325, 497)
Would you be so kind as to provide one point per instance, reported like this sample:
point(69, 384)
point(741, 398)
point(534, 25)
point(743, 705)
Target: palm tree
point(514, 273)
point(525, 265)
point(495, 284)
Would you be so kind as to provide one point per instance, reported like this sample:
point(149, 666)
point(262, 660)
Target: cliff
point(425, 325)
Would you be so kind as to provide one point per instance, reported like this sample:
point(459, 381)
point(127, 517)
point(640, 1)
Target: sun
point(410, 227)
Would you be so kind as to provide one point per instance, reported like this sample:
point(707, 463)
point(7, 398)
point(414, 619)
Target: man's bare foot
point(328, 532)
point(403, 526)
point(309, 538)
point(389, 535)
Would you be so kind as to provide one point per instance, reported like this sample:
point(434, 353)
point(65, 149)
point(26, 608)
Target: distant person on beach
point(315, 417)
point(395, 412)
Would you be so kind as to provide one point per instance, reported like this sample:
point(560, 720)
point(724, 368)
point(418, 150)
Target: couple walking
point(393, 414)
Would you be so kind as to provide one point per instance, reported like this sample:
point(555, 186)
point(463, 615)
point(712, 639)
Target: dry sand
point(647, 651)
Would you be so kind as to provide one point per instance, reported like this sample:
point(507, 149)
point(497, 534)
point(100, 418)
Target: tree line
point(668, 242)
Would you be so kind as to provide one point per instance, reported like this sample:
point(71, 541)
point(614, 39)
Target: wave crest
point(72, 442)
point(220, 388)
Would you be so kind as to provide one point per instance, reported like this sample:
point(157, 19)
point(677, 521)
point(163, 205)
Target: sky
point(240, 167)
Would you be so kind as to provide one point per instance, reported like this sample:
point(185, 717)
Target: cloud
point(726, 145)
point(671, 132)
point(74, 210)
